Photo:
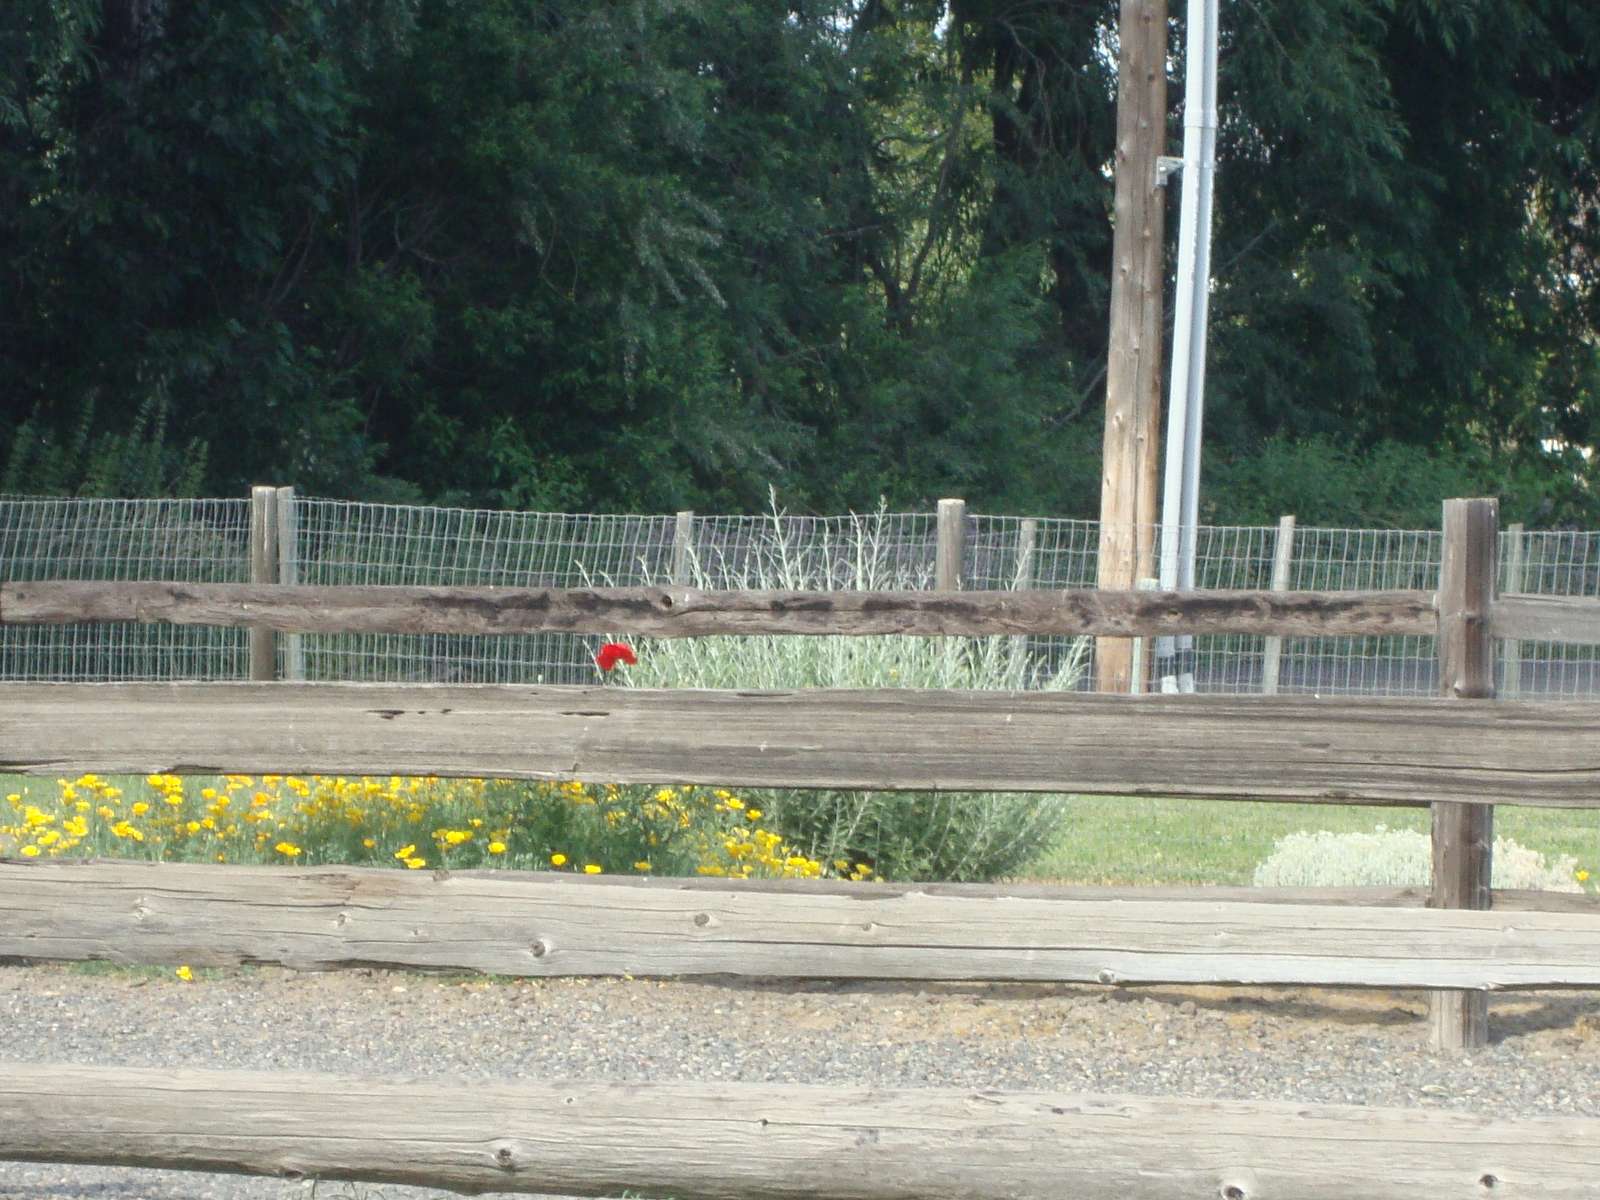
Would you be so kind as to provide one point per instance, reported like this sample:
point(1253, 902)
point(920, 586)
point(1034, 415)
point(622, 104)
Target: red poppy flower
point(612, 653)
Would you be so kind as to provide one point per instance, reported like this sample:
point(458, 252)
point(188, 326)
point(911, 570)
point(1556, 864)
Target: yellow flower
point(1581, 876)
point(456, 836)
point(753, 815)
point(405, 852)
point(30, 852)
point(140, 808)
point(641, 865)
point(734, 802)
point(558, 860)
point(591, 868)
point(184, 973)
point(416, 863)
point(368, 843)
point(497, 847)
point(287, 849)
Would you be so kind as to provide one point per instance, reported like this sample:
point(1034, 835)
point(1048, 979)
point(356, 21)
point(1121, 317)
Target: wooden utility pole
point(1129, 474)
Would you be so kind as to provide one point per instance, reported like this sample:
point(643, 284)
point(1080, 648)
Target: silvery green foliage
point(1398, 858)
point(905, 835)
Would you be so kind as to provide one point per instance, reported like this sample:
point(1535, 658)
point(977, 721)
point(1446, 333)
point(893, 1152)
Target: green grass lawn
point(1137, 840)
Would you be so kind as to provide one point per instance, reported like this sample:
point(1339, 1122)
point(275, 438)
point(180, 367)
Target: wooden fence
point(1461, 753)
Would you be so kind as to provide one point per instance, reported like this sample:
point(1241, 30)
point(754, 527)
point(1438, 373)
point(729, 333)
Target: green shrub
point(901, 835)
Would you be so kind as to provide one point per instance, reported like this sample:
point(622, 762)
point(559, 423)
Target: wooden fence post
point(1139, 671)
point(683, 546)
point(1511, 649)
point(952, 545)
point(1282, 558)
point(1027, 544)
point(288, 545)
point(263, 569)
point(1463, 834)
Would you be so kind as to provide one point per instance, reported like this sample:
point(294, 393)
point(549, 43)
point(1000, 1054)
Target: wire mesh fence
point(1112, 839)
point(336, 542)
point(196, 541)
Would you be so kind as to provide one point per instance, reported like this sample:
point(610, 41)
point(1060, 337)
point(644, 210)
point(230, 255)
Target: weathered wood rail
point(674, 612)
point(508, 923)
point(1324, 750)
point(729, 1141)
point(1463, 753)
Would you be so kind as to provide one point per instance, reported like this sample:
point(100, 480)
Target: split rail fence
point(1461, 753)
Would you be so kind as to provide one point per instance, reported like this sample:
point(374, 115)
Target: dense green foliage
point(640, 253)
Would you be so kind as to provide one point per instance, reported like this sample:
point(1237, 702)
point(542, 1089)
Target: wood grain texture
point(683, 559)
point(1572, 619)
point(1131, 446)
point(1282, 562)
point(288, 545)
point(687, 612)
point(1505, 899)
point(1463, 834)
point(731, 1141)
point(950, 549)
point(263, 570)
point(1467, 580)
point(1301, 748)
point(514, 924)
point(1516, 581)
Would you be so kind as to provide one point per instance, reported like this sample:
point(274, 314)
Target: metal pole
point(1181, 492)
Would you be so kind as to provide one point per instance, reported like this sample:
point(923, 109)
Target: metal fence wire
point(195, 541)
point(338, 542)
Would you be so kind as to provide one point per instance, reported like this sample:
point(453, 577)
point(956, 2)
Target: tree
point(635, 254)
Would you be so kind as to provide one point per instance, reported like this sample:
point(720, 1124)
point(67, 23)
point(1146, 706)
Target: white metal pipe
point(1200, 314)
point(1181, 486)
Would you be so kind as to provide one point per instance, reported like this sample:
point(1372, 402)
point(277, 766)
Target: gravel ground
point(1280, 1044)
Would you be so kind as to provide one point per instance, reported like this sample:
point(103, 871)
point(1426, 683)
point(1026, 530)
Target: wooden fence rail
point(1332, 750)
point(672, 612)
point(511, 924)
point(729, 1141)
